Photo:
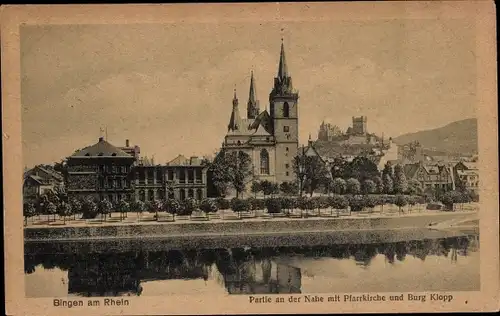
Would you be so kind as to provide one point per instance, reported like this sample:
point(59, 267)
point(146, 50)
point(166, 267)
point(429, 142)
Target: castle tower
point(253, 104)
point(235, 122)
point(359, 125)
point(283, 101)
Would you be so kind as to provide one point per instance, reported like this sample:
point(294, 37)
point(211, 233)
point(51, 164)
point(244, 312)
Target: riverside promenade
point(261, 232)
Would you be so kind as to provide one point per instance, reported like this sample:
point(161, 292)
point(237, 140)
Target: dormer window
point(87, 154)
point(113, 154)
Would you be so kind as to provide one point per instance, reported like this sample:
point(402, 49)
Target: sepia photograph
point(332, 160)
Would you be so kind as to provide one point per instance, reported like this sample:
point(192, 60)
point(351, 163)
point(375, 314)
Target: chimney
point(101, 139)
point(127, 143)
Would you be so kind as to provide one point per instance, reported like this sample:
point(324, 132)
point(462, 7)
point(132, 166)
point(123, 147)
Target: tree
point(275, 188)
point(208, 206)
point(369, 186)
point(64, 209)
point(370, 202)
point(361, 168)
point(122, 207)
point(221, 177)
point(231, 169)
point(104, 207)
point(400, 182)
point(190, 206)
point(338, 202)
point(267, 187)
point(172, 206)
point(388, 171)
point(400, 201)
point(288, 204)
point(28, 211)
point(156, 206)
point(240, 205)
point(311, 171)
point(256, 188)
point(50, 208)
point(356, 203)
point(379, 183)
point(415, 187)
point(76, 206)
point(338, 185)
point(353, 186)
point(89, 208)
point(273, 205)
point(388, 184)
point(289, 188)
point(337, 167)
point(139, 207)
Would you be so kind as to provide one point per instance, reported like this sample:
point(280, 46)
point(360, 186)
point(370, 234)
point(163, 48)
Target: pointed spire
point(282, 68)
point(253, 104)
point(235, 120)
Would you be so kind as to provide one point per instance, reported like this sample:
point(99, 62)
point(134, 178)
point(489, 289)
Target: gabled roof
point(411, 169)
point(101, 149)
point(181, 160)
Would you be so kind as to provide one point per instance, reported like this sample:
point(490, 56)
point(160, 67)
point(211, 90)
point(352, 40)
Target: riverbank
point(264, 232)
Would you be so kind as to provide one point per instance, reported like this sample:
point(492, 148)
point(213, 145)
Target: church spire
point(282, 68)
point(253, 104)
point(283, 81)
point(235, 120)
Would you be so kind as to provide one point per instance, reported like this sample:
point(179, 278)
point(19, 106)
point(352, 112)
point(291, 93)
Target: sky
point(169, 87)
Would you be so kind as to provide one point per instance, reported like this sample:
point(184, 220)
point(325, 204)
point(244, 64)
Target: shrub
point(338, 202)
point(288, 203)
point(256, 204)
point(356, 202)
point(89, 208)
point(240, 205)
point(172, 206)
point(400, 201)
point(222, 203)
point(190, 205)
point(208, 205)
point(370, 201)
point(273, 205)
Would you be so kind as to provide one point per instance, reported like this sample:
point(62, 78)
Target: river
point(440, 264)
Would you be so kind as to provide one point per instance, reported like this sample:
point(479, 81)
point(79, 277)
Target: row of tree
point(359, 176)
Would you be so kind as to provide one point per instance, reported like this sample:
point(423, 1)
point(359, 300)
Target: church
point(270, 138)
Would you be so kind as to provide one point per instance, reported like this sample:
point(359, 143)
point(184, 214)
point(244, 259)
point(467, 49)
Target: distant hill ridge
point(459, 137)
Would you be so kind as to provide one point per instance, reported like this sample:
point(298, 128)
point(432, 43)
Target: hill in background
point(459, 137)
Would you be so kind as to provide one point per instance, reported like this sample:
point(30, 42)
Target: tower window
point(264, 162)
point(286, 129)
point(286, 149)
point(287, 166)
point(286, 110)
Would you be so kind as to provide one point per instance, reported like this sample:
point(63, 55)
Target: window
point(264, 162)
point(286, 149)
point(190, 193)
point(287, 166)
point(287, 173)
point(199, 194)
point(286, 110)
point(286, 129)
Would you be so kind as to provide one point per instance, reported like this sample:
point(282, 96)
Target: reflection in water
point(237, 270)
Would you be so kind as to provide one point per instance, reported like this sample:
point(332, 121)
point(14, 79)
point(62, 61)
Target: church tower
point(283, 102)
point(253, 104)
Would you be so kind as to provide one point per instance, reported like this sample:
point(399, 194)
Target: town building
point(178, 179)
point(134, 151)
point(430, 175)
point(468, 175)
point(101, 171)
point(39, 180)
point(328, 132)
point(269, 138)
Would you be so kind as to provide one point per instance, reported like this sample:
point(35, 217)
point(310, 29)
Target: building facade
point(468, 175)
point(269, 138)
point(40, 180)
point(431, 176)
point(101, 171)
point(179, 179)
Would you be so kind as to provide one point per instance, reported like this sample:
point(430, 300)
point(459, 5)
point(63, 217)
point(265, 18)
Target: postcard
point(250, 158)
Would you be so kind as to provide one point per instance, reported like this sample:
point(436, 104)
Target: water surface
point(444, 264)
